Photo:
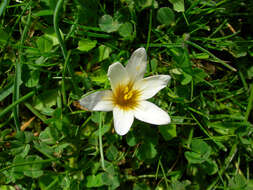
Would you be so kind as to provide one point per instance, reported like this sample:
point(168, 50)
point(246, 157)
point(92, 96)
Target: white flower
point(129, 94)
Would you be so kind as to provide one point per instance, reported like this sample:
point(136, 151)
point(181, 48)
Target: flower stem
point(101, 118)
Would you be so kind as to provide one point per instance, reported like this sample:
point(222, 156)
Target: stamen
point(126, 97)
point(126, 90)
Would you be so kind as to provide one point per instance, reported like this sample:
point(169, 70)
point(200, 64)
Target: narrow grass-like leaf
point(56, 27)
point(18, 73)
point(11, 106)
point(249, 107)
point(211, 55)
point(3, 6)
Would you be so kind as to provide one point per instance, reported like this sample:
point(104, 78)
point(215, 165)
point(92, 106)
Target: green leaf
point(144, 3)
point(126, 30)
point(46, 100)
point(3, 36)
point(200, 152)
point(168, 131)
point(250, 72)
point(50, 34)
point(154, 64)
point(86, 44)
point(94, 180)
point(44, 44)
point(49, 135)
point(32, 78)
point(165, 16)
point(7, 187)
point(201, 147)
point(194, 158)
point(238, 182)
point(178, 5)
point(112, 153)
point(17, 172)
point(110, 180)
point(199, 75)
point(210, 167)
point(141, 186)
point(108, 24)
point(103, 53)
point(187, 79)
point(33, 170)
point(146, 151)
point(131, 139)
point(177, 185)
point(49, 181)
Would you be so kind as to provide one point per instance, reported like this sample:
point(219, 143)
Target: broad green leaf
point(103, 52)
point(131, 139)
point(33, 170)
point(111, 180)
point(199, 75)
point(181, 57)
point(94, 180)
point(86, 44)
point(50, 3)
point(7, 187)
point(99, 77)
point(111, 153)
point(3, 36)
point(210, 167)
point(193, 157)
point(44, 148)
point(46, 100)
point(250, 72)
point(50, 33)
point(141, 186)
point(126, 30)
point(144, 3)
point(32, 78)
point(17, 172)
point(154, 64)
point(201, 147)
point(50, 181)
point(49, 135)
point(168, 131)
point(200, 152)
point(238, 182)
point(177, 185)
point(187, 79)
point(44, 44)
point(165, 16)
point(108, 24)
point(146, 151)
point(105, 128)
point(178, 5)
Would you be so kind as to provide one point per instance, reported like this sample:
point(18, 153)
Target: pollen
point(126, 97)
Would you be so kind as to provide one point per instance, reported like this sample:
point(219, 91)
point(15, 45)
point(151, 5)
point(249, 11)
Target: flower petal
point(137, 64)
point(98, 101)
point(123, 120)
point(151, 85)
point(150, 113)
point(117, 74)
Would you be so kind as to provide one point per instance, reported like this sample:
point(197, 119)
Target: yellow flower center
point(126, 97)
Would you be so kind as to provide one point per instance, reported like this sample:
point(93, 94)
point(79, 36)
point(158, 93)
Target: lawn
point(196, 132)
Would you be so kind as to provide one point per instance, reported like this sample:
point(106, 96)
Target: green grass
point(53, 52)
